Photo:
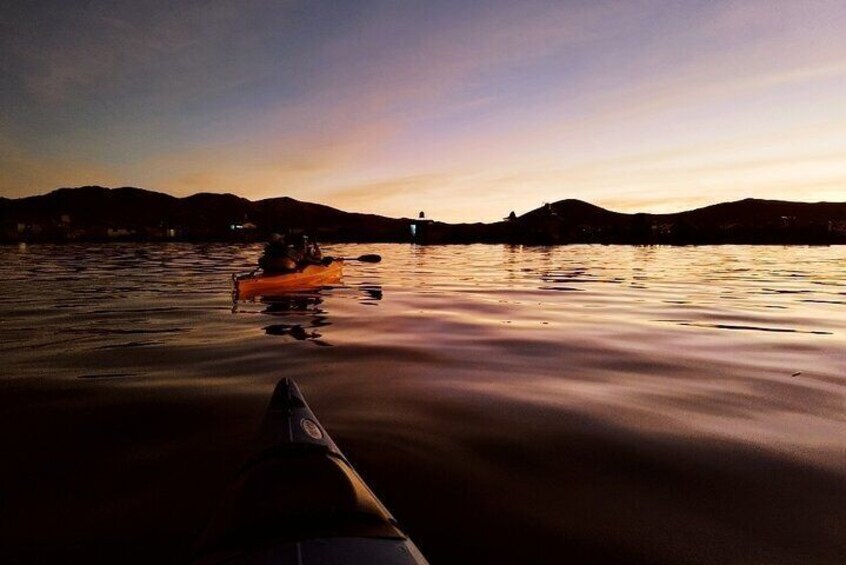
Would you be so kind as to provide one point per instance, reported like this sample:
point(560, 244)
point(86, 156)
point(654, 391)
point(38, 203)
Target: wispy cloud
point(24, 175)
point(467, 109)
point(76, 50)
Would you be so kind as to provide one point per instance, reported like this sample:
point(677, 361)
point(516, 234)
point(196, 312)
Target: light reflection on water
point(509, 404)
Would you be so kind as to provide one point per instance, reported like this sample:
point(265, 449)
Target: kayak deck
point(312, 276)
point(300, 501)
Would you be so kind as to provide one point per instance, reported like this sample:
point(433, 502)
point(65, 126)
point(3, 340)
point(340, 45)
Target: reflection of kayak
point(299, 501)
point(312, 276)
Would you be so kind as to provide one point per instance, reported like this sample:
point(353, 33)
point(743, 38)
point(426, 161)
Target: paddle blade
point(372, 258)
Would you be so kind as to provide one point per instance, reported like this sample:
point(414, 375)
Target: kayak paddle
point(371, 258)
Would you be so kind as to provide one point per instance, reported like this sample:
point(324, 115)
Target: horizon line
point(541, 205)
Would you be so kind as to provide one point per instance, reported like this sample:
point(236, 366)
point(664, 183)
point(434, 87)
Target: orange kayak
point(312, 276)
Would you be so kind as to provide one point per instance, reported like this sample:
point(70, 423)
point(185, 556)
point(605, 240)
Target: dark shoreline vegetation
point(97, 214)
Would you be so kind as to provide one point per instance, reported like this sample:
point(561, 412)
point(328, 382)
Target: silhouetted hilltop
point(750, 221)
point(98, 213)
point(92, 205)
point(758, 211)
point(572, 210)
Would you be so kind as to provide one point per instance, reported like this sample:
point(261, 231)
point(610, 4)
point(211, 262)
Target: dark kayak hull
point(300, 501)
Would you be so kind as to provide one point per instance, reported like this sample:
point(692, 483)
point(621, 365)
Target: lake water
point(574, 404)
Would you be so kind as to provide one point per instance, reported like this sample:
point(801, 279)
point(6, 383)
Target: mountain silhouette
point(98, 213)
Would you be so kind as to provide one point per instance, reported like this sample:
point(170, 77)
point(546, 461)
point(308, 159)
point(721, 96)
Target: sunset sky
point(464, 109)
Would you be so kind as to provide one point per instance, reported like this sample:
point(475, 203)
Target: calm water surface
point(580, 404)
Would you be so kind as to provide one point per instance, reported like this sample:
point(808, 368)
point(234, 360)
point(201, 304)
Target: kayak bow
point(299, 501)
point(312, 276)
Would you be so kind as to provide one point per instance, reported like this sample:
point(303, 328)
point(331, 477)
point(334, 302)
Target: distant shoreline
point(453, 243)
point(95, 214)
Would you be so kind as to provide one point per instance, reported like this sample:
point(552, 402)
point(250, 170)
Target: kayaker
point(304, 252)
point(277, 256)
point(295, 251)
point(313, 255)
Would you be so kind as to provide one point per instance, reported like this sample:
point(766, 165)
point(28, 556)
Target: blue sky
point(465, 109)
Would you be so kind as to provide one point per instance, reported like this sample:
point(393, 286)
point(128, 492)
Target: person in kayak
point(305, 252)
point(312, 253)
point(278, 256)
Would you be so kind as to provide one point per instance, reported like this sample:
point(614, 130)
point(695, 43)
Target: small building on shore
point(420, 228)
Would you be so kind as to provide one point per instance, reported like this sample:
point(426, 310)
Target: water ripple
point(577, 398)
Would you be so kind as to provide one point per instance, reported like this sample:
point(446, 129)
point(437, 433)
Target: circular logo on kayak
point(311, 428)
